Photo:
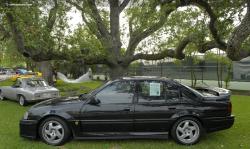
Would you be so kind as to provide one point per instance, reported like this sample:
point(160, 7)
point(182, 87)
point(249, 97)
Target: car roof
point(145, 78)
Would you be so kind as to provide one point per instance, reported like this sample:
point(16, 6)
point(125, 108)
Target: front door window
point(117, 92)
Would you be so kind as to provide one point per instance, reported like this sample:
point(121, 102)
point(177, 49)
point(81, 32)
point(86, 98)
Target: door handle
point(126, 109)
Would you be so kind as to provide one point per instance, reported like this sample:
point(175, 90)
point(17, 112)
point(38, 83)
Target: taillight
point(229, 108)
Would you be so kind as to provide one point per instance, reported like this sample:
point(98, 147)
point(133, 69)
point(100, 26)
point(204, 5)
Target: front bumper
point(218, 123)
point(28, 128)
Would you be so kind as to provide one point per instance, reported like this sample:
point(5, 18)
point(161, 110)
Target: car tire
point(1, 96)
point(22, 100)
point(187, 131)
point(54, 131)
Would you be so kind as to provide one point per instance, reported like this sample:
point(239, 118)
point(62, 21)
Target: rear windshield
point(193, 90)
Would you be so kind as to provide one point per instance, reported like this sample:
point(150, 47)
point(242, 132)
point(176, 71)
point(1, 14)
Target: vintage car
point(131, 107)
point(26, 75)
point(26, 90)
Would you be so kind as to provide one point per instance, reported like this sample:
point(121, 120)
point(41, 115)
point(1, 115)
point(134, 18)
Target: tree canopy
point(118, 32)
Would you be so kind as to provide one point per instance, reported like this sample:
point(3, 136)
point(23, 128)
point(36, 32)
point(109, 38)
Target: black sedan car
point(133, 107)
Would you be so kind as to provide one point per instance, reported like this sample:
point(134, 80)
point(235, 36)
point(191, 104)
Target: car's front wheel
point(54, 131)
point(22, 100)
point(187, 131)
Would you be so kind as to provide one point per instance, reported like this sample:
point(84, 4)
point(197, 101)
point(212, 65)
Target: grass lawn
point(236, 137)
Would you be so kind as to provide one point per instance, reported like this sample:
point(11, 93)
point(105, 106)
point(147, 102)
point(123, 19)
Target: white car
point(27, 90)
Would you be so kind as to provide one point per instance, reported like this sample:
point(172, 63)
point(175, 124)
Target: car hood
point(58, 102)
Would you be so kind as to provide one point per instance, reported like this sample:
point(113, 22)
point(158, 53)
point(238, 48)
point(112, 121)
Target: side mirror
point(94, 101)
point(82, 95)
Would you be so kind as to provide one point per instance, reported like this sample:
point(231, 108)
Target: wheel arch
point(53, 115)
point(185, 114)
point(19, 94)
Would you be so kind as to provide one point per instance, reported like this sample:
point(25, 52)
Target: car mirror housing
point(82, 95)
point(94, 101)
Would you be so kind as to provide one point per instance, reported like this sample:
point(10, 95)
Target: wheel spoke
point(52, 137)
point(57, 127)
point(180, 129)
point(50, 126)
point(183, 136)
point(47, 132)
point(191, 135)
point(186, 125)
point(58, 134)
point(192, 128)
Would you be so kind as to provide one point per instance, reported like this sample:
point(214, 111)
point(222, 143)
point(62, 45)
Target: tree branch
point(161, 55)
point(173, 53)
point(75, 5)
point(98, 20)
point(136, 38)
point(213, 18)
point(5, 33)
point(115, 27)
point(52, 16)
point(17, 34)
point(123, 5)
point(238, 36)
point(206, 46)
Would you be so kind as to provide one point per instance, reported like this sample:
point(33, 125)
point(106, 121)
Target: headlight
point(26, 114)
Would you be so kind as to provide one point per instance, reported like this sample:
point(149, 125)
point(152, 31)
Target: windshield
point(99, 88)
point(37, 83)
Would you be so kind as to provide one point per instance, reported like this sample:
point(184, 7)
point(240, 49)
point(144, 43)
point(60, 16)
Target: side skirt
point(130, 135)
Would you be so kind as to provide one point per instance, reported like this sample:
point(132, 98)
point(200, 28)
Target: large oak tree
point(210, 26)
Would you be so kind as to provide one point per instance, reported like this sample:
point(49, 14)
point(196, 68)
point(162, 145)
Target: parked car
point(27, 74)
point(132, 107)
point(1, 71)
point(26, 90)
point(21, 71)
point(7, 71)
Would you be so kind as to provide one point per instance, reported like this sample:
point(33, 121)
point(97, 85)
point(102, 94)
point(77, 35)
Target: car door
point(114, 113)
point(11, 91)
point(156, 103)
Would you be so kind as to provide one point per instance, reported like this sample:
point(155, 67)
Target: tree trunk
point(117, 72)
point(46, 69)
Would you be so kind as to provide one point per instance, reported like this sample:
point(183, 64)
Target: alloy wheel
point(21, 100)
point(187, 131)
point(53, 132)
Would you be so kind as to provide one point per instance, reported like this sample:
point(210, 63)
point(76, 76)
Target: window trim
point(137, 91)
point(164, 90)
point(109, 84)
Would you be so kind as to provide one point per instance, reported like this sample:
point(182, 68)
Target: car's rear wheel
point(187, 131)
point(54, 131)
point(1, 96)
point(22, 100)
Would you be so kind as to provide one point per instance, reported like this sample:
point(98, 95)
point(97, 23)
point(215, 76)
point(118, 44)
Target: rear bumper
point(218, 123)
point(28, 129)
